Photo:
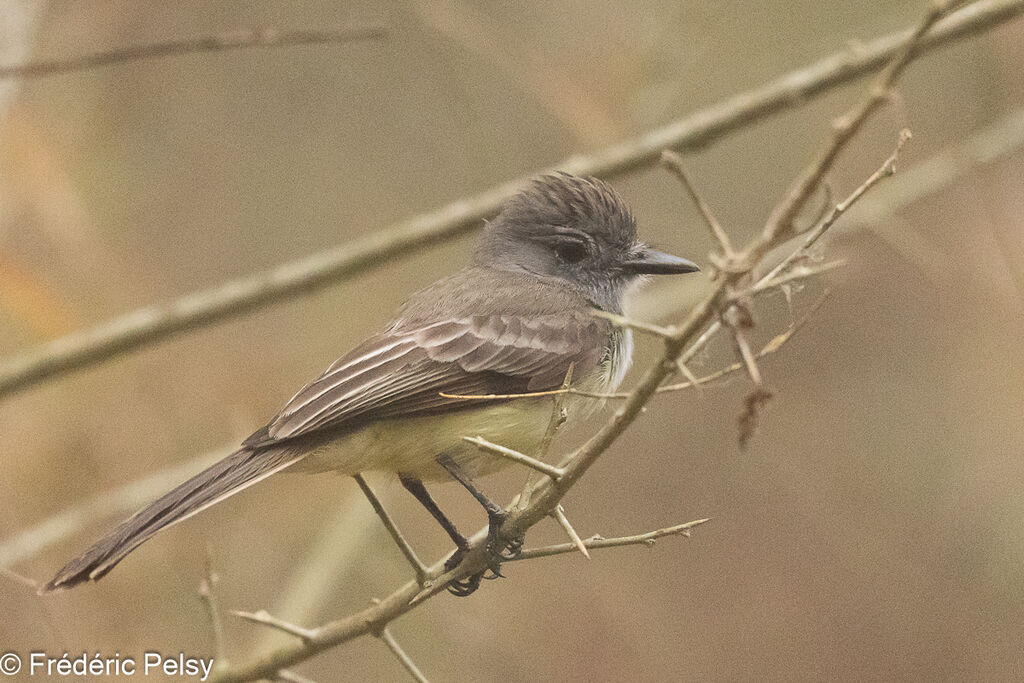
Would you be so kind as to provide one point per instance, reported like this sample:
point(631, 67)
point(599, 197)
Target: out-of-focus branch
point(207, 593)
point(548, 494)
point(155, 323)
point(235, 40)
point(123, 499)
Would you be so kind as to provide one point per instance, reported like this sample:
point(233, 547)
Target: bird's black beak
point(653, 262)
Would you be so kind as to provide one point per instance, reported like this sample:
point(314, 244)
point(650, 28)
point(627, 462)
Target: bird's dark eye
point(570, 251)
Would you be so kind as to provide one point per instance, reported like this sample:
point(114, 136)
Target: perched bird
point(513, 322)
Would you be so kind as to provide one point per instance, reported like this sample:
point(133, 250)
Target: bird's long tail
point(241, 469)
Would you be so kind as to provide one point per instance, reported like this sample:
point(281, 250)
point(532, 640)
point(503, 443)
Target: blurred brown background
point(874, 529)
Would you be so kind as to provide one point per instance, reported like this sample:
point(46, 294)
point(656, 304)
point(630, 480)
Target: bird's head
point(578, 230)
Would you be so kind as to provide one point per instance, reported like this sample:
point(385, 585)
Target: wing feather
point(403, 372)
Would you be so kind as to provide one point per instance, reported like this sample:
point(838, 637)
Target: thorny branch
point(155, 323)
point(547, 494)
point(597, 543)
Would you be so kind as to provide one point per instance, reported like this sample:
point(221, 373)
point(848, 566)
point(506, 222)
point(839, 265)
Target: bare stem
point(410, 555)
point(597, 543)
point(208, 595)
point(887, 169)
point(674, 163)
point(515, 456)
point(557, 419)
point(638, 325)
point(405, 659)
point(563, 521)
point(236, 40)
point(263, 618)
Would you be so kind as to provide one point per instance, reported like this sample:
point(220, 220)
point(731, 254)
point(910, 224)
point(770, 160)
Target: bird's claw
point(499, 548)
point(512, 548)
point(462, 587)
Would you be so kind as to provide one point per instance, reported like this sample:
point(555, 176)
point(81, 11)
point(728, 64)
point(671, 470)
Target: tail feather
point(225, 478)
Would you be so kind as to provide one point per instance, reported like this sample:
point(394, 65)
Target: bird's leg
point(416, 488)
point(496, 516)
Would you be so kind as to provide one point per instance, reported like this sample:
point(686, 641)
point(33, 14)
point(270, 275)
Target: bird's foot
point(462, 587)
point(500, 546)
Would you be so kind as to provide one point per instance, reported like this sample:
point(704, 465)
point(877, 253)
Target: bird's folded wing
point(404, 372)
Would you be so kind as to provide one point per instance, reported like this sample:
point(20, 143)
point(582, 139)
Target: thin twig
point(151, 324)
point(887, 169)
point(812, 236)
point(515, 456)
point(674, 163)
point(685, 371)
point(780, 223)
point(771, 347)
point(638, 325)
point(737, 318)
point(236, 40)
point(743, 350)
point(558, 417)
point(208, 595)
point(410, 555)
point(263, 618)
point(405, 659)
point(597, 543)
point(794, 274)
point(563, 521)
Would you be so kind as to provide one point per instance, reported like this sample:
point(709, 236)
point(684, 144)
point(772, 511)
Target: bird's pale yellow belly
point(411, 445)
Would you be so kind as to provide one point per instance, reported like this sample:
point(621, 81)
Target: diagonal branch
point(515, 456)
point(403, 658)
point(419, 569)
point(155, 323)
point(236, 40)
point(570, 531)
point(674, 163)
